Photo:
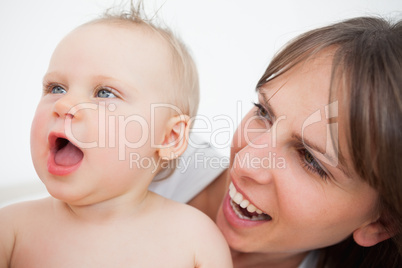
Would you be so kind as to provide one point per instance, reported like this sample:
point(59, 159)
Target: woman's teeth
point(237, 198)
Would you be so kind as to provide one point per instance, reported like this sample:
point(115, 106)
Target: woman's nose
point(256, 160)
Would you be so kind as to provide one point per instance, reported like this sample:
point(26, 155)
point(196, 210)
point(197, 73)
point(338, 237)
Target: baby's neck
point(117, 208)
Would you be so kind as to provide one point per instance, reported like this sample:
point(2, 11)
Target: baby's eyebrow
point(104, 77)
point(51, 75)
point(118, 82)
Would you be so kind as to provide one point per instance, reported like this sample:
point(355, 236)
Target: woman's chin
point(236, 242)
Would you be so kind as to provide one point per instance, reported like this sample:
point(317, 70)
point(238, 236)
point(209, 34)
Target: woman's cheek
point(243, 133)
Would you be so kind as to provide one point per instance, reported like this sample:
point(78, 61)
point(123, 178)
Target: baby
point(118, 88)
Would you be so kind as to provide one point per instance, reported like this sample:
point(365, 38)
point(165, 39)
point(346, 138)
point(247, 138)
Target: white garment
point(310, 261)
point(196, 169)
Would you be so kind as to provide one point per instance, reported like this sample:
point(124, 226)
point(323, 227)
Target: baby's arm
point(7, 236)
point(211, 247)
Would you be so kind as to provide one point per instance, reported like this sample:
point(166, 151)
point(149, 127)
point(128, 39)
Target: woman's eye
point(262, 112)
point(309, 158)
point(105, 93)
point(311, 164)
point(58, 90)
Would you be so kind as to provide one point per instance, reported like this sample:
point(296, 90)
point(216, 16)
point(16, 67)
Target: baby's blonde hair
point(185, 94)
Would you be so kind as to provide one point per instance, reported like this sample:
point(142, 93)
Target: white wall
point(231, 40)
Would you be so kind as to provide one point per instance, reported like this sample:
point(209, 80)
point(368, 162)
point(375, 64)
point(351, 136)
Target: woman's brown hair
point(367, 67)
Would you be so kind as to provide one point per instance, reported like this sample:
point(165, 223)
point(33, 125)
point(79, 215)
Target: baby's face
point(94, 133)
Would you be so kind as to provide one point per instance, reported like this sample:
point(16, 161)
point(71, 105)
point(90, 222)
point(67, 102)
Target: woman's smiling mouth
point(243, 208)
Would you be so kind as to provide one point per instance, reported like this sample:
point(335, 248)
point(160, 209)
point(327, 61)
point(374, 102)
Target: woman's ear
point(371, 234)
point(176, 137)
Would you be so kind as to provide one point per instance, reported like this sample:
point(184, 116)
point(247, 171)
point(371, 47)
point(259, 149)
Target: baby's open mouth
point(65, 153)
point(243, 208)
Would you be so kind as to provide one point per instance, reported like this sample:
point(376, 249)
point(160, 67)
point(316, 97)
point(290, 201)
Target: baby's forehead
point(112, 27)
point(121, 37)
point(113, 47)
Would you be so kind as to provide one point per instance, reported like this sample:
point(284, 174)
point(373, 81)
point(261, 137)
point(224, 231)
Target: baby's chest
point(49, 247)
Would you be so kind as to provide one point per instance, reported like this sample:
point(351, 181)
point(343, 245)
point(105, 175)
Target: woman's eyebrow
point(266, 99)
point(339, 159)
point(268, 107)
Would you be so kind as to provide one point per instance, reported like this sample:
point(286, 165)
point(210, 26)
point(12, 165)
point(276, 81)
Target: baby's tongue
point(68, 155)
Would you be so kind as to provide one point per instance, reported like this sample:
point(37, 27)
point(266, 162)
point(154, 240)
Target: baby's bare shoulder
point(179, 212)
point(25, 210)
point(202, 235)
point(185, 219)
point(14, 219)
point(27, 205)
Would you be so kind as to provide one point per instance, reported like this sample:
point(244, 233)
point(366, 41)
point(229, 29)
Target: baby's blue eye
point(104, 93)
point(58, 90)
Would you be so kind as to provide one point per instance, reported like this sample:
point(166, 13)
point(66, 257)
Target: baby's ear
point(371, 234)
point(176, 137)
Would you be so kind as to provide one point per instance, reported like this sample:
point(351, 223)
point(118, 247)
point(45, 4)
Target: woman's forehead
point(307, 84)
point(301, 97)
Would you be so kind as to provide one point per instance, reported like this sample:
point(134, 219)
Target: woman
point(329, 112)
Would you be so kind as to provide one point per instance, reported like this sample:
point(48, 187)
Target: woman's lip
point(234, 220)
point(245, 196)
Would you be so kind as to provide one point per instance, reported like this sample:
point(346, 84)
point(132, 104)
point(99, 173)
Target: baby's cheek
point(135, 132)
point(38, 140)
point(37, 126)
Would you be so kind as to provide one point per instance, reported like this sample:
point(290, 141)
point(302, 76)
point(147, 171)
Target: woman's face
point(292, 187)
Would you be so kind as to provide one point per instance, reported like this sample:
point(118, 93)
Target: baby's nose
point(68, 107)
